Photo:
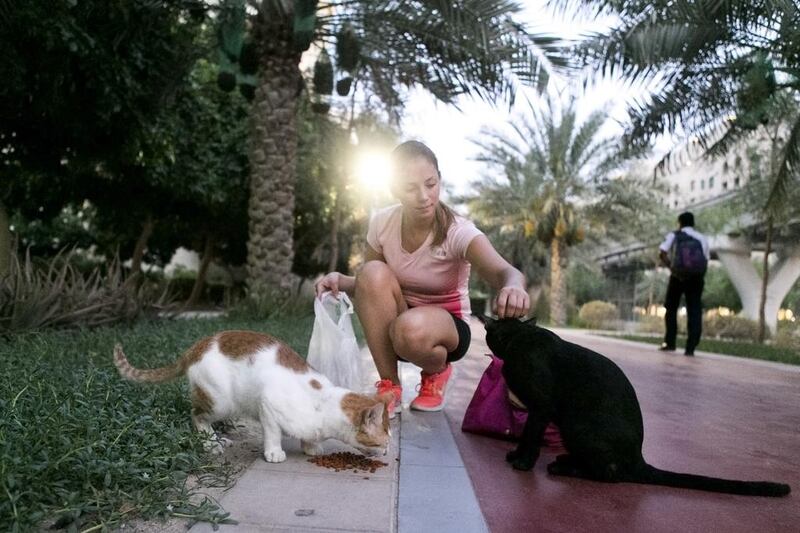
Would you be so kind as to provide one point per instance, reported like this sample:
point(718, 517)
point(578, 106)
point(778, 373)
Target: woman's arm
point(336, 281)
point(512, 298)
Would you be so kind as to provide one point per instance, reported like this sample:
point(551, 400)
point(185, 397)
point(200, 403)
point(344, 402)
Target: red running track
point(722, 417)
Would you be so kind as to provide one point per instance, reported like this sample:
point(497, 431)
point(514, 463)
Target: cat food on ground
point(346, 461)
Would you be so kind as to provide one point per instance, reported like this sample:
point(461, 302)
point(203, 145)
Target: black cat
point(594, 405)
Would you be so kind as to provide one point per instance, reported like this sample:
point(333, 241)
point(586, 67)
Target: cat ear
point(385, 398)
point(373, 416)
point(531, 321)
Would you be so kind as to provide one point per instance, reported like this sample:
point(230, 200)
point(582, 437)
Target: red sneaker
point(432, 390)
point(385, 386)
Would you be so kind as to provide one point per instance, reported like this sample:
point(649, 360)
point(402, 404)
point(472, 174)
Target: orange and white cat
point(248, 374)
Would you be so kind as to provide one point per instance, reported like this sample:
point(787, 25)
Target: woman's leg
point(378, 302)
point(424, 336)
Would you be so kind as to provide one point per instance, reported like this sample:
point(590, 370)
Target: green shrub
point(55, 294)
point(597, 314)
point(180, 288)
point(650, 324)
point(730, 327)
point(788, 336)
point(297, 301)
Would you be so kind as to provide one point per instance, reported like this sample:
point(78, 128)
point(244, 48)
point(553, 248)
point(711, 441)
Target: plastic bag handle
point(342, 299)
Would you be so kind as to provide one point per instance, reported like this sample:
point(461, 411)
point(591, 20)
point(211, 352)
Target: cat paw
point(312, 448)
point(213, 445)
point(523, 463)
point(564, 465)
point(557, 469)
point(275, 456)
point(214, 448)
point(512, 456)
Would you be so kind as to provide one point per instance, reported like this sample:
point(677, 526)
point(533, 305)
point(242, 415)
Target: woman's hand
point(511, 302)
point(328, 282)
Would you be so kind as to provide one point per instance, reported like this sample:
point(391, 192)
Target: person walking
point(411, 294)
point(686, 253)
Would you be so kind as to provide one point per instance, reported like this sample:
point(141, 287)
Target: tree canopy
point(80, 82)
point(715, 71)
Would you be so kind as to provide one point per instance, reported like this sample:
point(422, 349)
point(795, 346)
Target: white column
point(734, 253)
point(782, 276)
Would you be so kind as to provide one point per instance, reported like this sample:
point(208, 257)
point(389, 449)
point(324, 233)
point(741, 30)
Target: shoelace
point(384, 385)
point(427, 387)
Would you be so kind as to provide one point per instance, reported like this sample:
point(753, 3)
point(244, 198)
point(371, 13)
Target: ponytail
point(444, 217)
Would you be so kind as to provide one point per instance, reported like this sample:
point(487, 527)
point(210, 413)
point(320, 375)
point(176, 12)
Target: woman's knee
point(374, 275)
point(409, 334)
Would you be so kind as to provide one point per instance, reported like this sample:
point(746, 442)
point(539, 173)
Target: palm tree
point(716, 70)
point(548, 165)
point(466, 47)
point(501, 210)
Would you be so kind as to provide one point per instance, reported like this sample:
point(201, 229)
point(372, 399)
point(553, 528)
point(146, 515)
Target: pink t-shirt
point(431, 275)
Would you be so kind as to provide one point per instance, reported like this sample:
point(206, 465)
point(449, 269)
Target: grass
point(82, 449)
point(748, 350)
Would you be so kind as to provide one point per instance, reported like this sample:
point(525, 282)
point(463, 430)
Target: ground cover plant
point(82, 449)
point(749, 350)
point(40, 293)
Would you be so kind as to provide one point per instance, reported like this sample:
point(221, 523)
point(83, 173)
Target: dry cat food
point(347, 461)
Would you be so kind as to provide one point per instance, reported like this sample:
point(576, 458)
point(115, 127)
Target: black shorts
point(464, 338)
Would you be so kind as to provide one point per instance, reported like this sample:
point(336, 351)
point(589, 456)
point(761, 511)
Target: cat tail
point(150, 375)
point(653, 476)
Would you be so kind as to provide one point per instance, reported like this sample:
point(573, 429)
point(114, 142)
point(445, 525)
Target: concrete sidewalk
point(423, 488)
point(297, 495)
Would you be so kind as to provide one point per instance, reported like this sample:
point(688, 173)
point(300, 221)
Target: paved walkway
point(428, 491)
point(709, 414)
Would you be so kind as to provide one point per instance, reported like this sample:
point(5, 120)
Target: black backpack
point(687, 257)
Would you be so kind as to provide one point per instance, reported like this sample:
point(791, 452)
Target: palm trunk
point(558, 260)
point(334, 235)
point(339, 187)
point(200, 281)
point(762, 319)
point(141, 245)
point(534, 291)
point(272, 154)
point(5, 240)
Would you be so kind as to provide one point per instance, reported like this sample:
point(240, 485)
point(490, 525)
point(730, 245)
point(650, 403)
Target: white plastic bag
point(333, 349)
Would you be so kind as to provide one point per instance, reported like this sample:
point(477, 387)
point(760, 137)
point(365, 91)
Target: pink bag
point(491, 413)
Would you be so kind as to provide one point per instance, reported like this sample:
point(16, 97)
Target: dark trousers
point(693, 289)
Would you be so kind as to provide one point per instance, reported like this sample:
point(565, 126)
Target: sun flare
point(373, 170)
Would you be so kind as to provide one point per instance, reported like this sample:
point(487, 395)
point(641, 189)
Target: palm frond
point(545, 158)
point(463, 48)
point(788, 169)
point(583, 138)
point(701, 61)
